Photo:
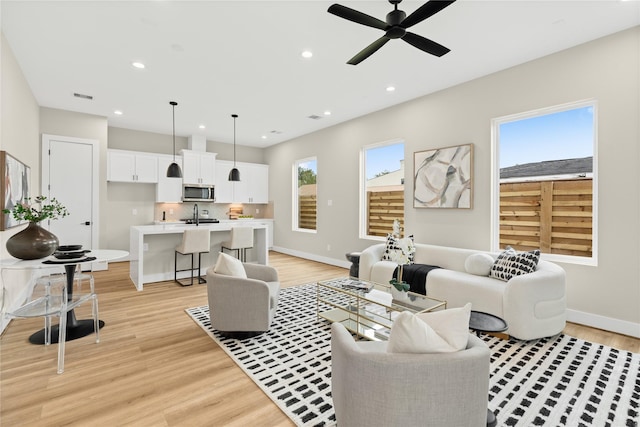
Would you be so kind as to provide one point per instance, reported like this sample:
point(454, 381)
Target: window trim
point(495, 178)
point(362, 191)
point(295, 208)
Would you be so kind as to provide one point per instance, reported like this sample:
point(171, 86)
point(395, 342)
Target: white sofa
point(533, 304)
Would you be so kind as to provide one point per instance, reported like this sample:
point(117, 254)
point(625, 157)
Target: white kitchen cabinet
point(224, 187)
point(198, 167)
point(253, 186)
point(132, 166)
point(168, 190)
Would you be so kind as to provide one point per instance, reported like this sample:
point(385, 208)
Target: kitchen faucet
point(196, 215)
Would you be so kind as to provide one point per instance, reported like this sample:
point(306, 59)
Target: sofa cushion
point(479, 264)
point(399, 250)
point(229, 266)
point(511, 263)
point(443, 331)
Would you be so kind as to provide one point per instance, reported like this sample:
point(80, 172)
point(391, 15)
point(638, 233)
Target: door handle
point(86, 223)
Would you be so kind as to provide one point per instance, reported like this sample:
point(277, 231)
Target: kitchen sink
point(201, 221)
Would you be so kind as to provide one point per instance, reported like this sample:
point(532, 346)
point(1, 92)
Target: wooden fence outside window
point(554, 216)
point(383, 207)
point(307, 212)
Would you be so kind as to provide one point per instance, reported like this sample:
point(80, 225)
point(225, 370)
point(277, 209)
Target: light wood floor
point(153, 366)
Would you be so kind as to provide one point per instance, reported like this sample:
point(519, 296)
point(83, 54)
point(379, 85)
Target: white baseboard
point(313, 257)
point(606, 323)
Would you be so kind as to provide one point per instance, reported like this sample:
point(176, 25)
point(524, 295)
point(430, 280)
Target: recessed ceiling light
point(327, 113)
point(264, 136)
point(307, 54)
point(390, 88)
point(117, 112)
point(139, 65)
point(202, 126)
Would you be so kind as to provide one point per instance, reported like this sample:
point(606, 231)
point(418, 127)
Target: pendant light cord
point(235, 116)
point(174, 131)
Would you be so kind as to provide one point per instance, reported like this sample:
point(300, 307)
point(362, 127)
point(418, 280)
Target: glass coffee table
point(366, 308)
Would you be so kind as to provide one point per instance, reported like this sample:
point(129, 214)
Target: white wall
point(19, 136)
point(607, 69)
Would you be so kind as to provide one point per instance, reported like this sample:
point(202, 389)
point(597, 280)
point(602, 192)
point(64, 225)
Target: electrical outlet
point(329, 202)
point(257, 210)
point(135, 211)
point(146, 247)
point(328, 247)
point(170, 211)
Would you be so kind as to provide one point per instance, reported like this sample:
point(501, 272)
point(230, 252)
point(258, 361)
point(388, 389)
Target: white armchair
point(243, 307)
point(371, 387)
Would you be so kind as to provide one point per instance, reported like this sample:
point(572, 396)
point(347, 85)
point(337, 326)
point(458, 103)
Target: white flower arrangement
point(403, 254)
point(396, 228)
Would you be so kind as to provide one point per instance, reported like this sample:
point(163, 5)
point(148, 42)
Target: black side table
point(485, 322)
point(354, 257)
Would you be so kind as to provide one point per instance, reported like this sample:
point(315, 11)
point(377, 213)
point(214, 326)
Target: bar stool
point(241, 239)
point(196, 240)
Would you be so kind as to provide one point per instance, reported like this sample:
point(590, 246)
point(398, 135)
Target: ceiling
point(216, 58)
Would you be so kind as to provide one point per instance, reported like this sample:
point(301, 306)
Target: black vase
point(33, 242)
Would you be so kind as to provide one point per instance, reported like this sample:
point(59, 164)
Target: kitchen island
point(151, 249)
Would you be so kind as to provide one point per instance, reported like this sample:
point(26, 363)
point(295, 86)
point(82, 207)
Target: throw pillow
point(479, 264)
point(511, 263)
point(399, 250)
point(229, 266)
point(443, 331)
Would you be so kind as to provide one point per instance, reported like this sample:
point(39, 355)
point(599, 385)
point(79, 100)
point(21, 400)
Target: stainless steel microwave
point(198, 193)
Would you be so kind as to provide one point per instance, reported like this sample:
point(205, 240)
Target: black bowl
point(69, 255)
point(67, 248)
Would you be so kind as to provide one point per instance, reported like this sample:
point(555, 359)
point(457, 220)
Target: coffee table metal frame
point(368, 313)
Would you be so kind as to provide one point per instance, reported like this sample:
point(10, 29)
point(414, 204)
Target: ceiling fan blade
point(428, 9)
point(368, 51)
point(355, 16)
point(425, 44)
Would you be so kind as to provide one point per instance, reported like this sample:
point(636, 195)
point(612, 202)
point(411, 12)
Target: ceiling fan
point(395, 27)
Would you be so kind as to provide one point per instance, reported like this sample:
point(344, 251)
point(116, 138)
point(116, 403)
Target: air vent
point(314, 117)
point(83, 96)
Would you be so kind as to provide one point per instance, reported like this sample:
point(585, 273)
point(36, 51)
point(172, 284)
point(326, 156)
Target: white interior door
point(70, 174)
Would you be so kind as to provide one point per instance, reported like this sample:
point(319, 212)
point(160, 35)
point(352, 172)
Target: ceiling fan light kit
point(234, 174)
point(174, 171)
point(395, 27)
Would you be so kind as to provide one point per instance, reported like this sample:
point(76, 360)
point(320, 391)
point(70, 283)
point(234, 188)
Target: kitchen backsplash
point(178, 211)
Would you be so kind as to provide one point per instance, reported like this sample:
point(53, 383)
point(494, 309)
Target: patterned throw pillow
point(399, 250)
point(511, 263)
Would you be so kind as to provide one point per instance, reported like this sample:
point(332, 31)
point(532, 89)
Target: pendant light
point(234, 175)
point(174, 171)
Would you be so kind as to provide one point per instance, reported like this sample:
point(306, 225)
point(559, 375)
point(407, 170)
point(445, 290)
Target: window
point(305, 174)
point(544, 186)
point(382, 188)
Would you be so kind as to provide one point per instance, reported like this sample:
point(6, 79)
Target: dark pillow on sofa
point(511, 263)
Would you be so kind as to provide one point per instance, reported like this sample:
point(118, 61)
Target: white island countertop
point(151, 247)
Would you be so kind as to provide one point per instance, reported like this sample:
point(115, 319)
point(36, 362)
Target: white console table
point(151, 249)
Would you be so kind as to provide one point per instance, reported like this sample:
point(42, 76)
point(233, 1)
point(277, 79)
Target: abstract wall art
point(443, 177)
point(14, 188)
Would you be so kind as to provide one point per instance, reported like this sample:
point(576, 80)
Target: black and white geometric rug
point(556, 381)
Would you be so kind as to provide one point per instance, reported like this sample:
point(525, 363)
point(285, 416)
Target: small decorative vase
point(33, 242)
point(399, 295)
